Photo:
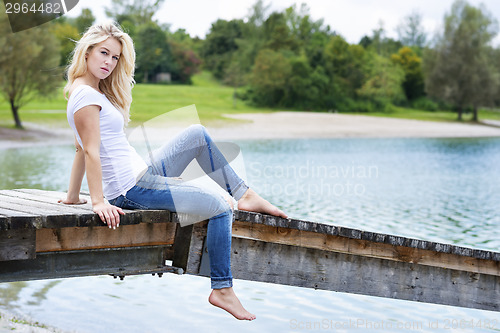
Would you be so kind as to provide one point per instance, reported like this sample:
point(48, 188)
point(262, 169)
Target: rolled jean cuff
point(239, 191)
point(220, 284)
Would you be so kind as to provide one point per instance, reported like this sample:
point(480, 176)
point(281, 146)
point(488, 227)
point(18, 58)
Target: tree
point(138, 12)
point(301, 92)
point(257, 14)
point(277, 34)
point(411, 32)
point(347, 66)
point(26, 62)
point(154, 54)
point(186, 62)
point(220, 44)
point(383, 84)
point(234, 76)
point(85, 20)
point(269, 76)
point(380, 43)
point(66, 34)
point(458, 70)
point(411, 64)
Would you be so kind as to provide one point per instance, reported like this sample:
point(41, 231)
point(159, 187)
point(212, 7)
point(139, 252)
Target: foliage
point(270, 74)
point(186, 62)
point(458, 69)
point(411, 32)
point(27, 63)
point(66, 35)
point(154, 54)
point(220, 44)
point(85, 20)
point(379, 43)
point(383, 84)
point(411, 64)
point(424, 103)
point(135, 12)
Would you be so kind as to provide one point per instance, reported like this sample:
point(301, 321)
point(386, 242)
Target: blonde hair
point(118, 85)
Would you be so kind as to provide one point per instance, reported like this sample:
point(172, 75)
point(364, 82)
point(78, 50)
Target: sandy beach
point(285, 125)
point(333, 125)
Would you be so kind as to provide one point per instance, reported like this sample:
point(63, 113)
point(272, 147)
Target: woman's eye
point(116, 58)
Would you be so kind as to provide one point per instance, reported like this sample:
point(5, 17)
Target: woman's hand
point(109, 214)
point(68, 201)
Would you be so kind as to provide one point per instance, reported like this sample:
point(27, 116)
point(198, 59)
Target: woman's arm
point(75, 181)
point(87, 125)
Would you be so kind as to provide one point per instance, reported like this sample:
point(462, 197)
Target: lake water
point(445, 190)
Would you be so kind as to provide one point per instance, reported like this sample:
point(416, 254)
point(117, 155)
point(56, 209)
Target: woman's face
point(102, 60)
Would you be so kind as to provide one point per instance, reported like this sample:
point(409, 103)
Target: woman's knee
point(218, 203)
point(198, 130)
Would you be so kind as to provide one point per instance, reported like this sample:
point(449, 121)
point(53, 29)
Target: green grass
point(212, 100)
point(408, 113)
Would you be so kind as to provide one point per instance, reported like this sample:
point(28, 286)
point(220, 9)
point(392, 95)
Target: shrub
point(424, 103)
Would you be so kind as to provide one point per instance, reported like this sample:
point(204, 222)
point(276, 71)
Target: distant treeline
point(285, 59)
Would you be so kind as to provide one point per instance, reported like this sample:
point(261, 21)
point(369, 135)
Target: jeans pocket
point(130, 204)
point(116, 201)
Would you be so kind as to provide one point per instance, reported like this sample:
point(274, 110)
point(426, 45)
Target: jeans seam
point(127, 201)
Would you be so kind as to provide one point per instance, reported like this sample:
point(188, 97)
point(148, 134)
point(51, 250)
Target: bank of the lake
point(278, 125)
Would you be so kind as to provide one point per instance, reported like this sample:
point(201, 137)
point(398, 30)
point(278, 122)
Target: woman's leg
point(195, 143)
point(219, 252)
point(157, 192)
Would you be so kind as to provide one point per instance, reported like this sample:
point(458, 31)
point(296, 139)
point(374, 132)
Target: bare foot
point(252, 202)
point(227, 300)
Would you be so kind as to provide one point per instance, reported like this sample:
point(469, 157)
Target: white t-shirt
point(121, 165)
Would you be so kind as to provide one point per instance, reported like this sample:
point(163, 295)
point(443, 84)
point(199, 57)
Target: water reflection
point(9, 293)
point(36, 167)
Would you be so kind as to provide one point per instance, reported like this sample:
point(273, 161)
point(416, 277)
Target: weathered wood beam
point(329, 270)
point(17, 244)
point(188, 247)
point(329, 229)
point(327, 242)
point(62, 264)
point(81, 238)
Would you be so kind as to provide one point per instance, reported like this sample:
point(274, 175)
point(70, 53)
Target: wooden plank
point(84, 216)
point(14, 219)
point(48, 197)
point(188, 247)
point(362, 247)
point(151, 216)
point(312, 268)
point(32, 206)
point(79, 238)
point(364, 235)
point(17, 244)
point(51, 265)
point(4, 222)
point(56, 195)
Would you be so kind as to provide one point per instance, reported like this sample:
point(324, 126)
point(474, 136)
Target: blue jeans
point(158, 190)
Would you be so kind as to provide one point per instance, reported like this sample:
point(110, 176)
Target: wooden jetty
point(41, 239)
